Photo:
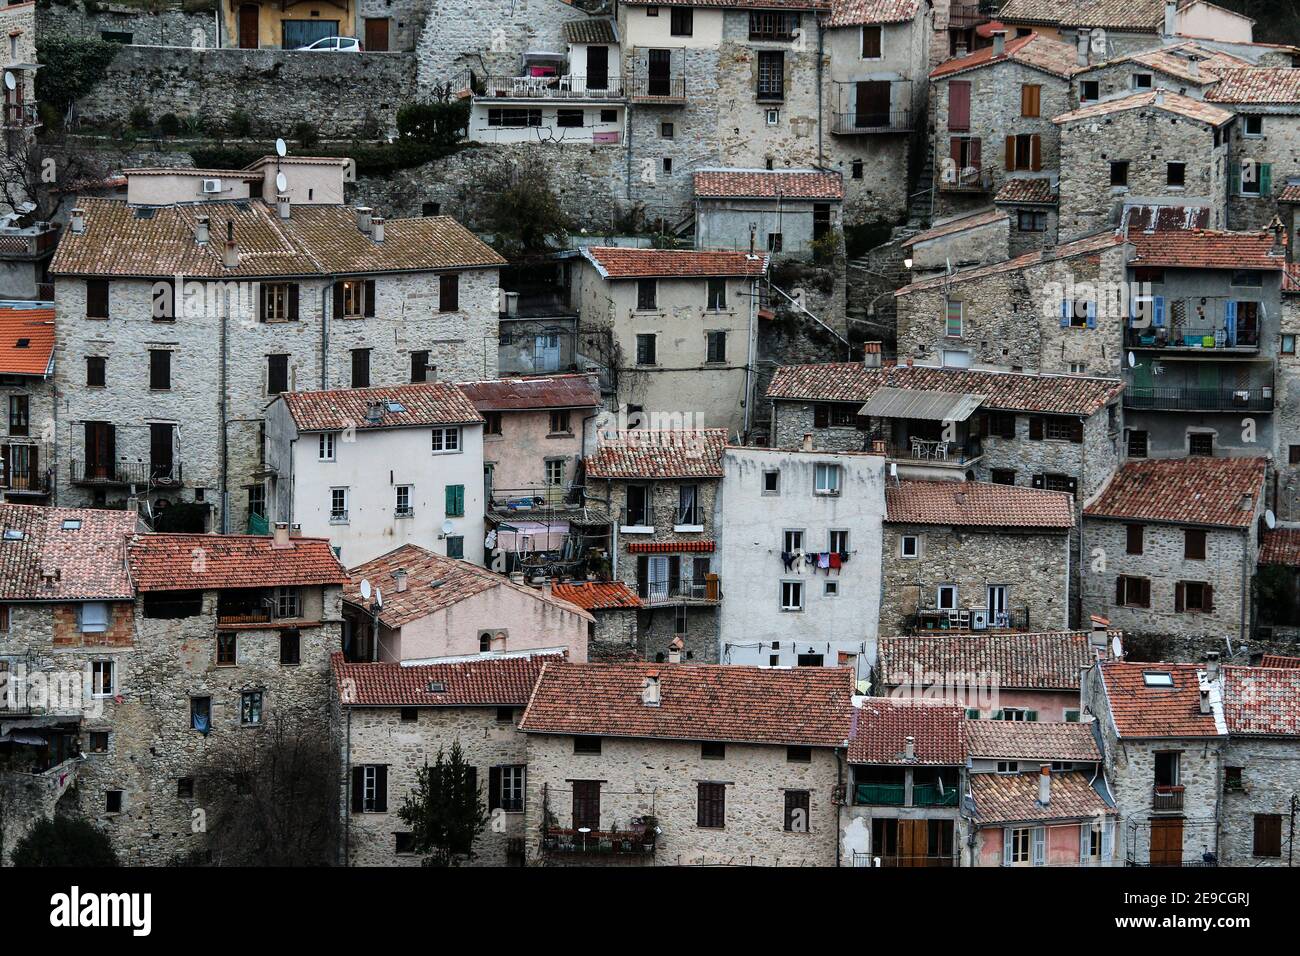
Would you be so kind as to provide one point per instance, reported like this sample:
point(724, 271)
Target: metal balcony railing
point(1192, 339)
point(1178, 399)
point(126, 473)
point(1164, 797)
point(566, 87)
point(26, 483)
point(938, 452)
point(656, 89)
point(932, 795)
point(28, 245)
point(900, 859)
point(969, 179)
point(928, 620)
point(21, 116)
point(598, 842)
point(893, 121)
point(963, 15)
point(685, 591)
point(879, 794)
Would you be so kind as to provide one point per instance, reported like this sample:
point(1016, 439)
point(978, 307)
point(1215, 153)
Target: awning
point(527, 537)
point(23, 737)
point(928, 405)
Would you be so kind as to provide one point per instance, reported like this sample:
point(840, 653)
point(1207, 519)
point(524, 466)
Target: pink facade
point(1062, 845)
point(518, 455)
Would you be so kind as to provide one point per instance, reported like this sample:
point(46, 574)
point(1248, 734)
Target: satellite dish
point(11, 82)
point(365, 588)
point(281, 149)
point(1117, 647)
point(1270, 519)
point(448, 527)
point(281, 182)
point(379, 597)
point(1132, 360)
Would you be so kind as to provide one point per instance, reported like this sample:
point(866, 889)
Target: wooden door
point(100, 450)
point(248, 19)
point(659, 72)
point(872, 104)
point(161, 457)
point(586, 804)
point(913, 843)
point(597, 67)
point(1167, 842)
point(376, 40)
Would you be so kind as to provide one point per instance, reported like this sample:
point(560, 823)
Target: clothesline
point(822, 560)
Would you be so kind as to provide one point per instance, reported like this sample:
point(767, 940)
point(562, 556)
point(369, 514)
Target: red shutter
point(1035, 152)
point(1011, 153)
point(975, 151)
point(954, 151)
point(959, 105)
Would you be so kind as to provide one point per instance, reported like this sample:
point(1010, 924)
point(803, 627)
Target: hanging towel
point(787, 559)
point(844, 556)
point(835, 560)
point(811, 559)
point(824, 560)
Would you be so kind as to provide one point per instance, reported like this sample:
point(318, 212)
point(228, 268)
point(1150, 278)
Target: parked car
point(336, 45)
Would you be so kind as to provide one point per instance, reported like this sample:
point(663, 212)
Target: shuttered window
point(370, 789)
point(959, 105)
point(1268, 834)
point(711, 805)
point(1030, 99)
point(455, 501)
point(96, 298)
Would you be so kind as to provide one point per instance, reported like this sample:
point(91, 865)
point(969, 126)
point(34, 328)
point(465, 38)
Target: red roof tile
point(1289, 193)
point(671, 547)
point(1175, 61)
point(768, 184)
point(851, 13)
point(1281, 546)
point(882, 725)
point(88, 562)
point(1006, 391)
point(422, 404)
point(1031, 740)
point(1267, 84)
point(26, 341)
point(800, 706)
point(598, 595)
point(493, 682)
point(1048, 660)
point(522, 394)
point(186, 562)
point(1206, 249)
point(1165, 100)
point(972, 221)
point(1087, 246)
point(1144, 16)
point(1200, 491)
point(1038, 190)
point(1277, 660)
point(1013, 798)
point(737, 4)
point(977, 504)
point(619, 262)
point(1035, 50)
point(642, 453)
point(1139, 710)
point(1262, 700)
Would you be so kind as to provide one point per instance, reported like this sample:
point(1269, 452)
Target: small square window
point(586, 745)
point(668, 165)
point(99, 741)
point(771, 482)
point(909, 546)
point(1253, 125)
point(185, 788)
point(832, 588)
point(1201, 445)
point(712, 750)
point(1119, 172)
point(1175, 174)
point(505, 715)
point(1287, 345)
point(798, 754)
point(410, 715)
point(666, 130)
point(112, 801)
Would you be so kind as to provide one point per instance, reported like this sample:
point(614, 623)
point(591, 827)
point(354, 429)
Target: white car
point(336, 45)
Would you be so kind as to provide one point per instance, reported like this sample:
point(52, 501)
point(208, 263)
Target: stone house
point(1057, 309)
point(255, 24)
point(1124, 28)
point(26, 248)
point(1203, 336)
point(1154, 147)
point(1032, 206)
point(1262, 142)
point(1012, 676)
point(960, 242)
point(266, 292)
point(905, 782)
point(1286, 460)
point(660, 488)
point(1171, 545)
point(392, 720)
point(1038, 796)
point(613, 636)
point(1188, 68)
point(973, 556)
point(684, 329)
point(993, 112)
point(798, 538)
point(355, 465)
point(412, 605)
point(785, 211)
point(27, 393)
point(670, 764)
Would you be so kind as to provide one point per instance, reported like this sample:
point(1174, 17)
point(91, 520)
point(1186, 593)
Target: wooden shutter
point(1076, 432)
point(381, 789)
point(1036, 427)
point(821, 416)
point(1035, 152)
point(338, 300)
point(369, 298)
point(975, 159)
point(1268, 834)
point(642, 576)
point(1265, 178)
point(1085, 843)
point(358, 785)
point(959, 104)
point(1234, 179)
point(1010, 153)
point(1207, 597)
point(494, 788)
point(455, 500)
point(293, 302)
point(1119, 591)
point(263, 295)
point(1039, 842)
point(954, 152)
point(1179, 600)
point(1144, 589)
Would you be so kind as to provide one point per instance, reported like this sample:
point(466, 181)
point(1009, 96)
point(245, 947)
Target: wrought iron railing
point(678, 592)
point(125, 473)
point(968, 179)
point(1165, 797)
point(671, 89)
point(891, 121)
point(566, 87)
point(1207, 338)
point(969, 619)
point(1177, 398)
point(880, 794)
point(598, 842)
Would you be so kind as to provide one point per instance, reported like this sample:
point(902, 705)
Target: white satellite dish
point(1270, 519)
point(281, 149)
point(1132, 360)
point(365, 588)
point(11, 82)
point(448, 527)
point(1117, 647)
point(281, 182)
point(379, 597)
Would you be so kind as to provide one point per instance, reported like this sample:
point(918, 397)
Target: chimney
point(1205, 701)
point(1247, 502)
point(909, 748)
point(1171, 17)
point(363, 218)
point(399, 580)
point(231, 256)
point(807, 441)
point(78, 221)
point(1082, 48)
point(282, 205)
point(871, 354)
point(999, 42)
point(201, 230)
point(675, 650)
point(1279, 238)
point(1194, 67)
point(281, 536)
point(377, 229)
point(650, 690)
point(1160, 97)
point(1045, 785)
point(960, 497)
point(1212, 666)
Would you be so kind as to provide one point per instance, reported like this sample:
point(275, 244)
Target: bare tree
point(45, 173)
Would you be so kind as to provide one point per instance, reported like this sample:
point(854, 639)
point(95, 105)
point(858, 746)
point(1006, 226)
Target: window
point(185, 788)
point(95, 371)
point(1293, 454)
point(609, 116)
point(717, 294)
point(827, 479)
point(1030, 221)
point(716, 345)
point(402, 506)
point(227, 649)
point(325, 449)
point(420, 366)
point(160, 370)
point(492, 423)
point(857, 168)
point(1119, 172)
point(1193, 544)
point(508, 117)
point(1232, 778)
point(1141, 81)
point(1268, 835)
point(771, 74)
point(430, 209)
point(774, 241)
point(797, 818)
point(1060, 428)
point(1166, 768)
point(569, 119)
point(338, 504)
point(278, 302)
point(1253, 125)
point(445, 440)
point(645, 349)
point(765, 25)
point(1193, 596)
point(1002, 476)
point(277, 374)
point(831, 588)
point(871, 41)
point(712, 750)
point(112, 801)
point(645, 294)
point(711, 805)
point(560, 424)
point(839, 541)
point(506, 788)
point(772, 481)
point(793, 541)
point(1137, 444)
point(361, 368)
point(354, 298)
point(1024, 152)
point(454, 500)
point(403, 843)
point(909, 546)
point(792, 595)
point(688, 505)
point(449, 292)
point(1175, 174)
point(101, 679)
point(96, 298)
point(1017, 714)
point(1252, 178)
point(586, 745)
point(1008, 766)
point(92, 617)
point(1031, 98)
point(1134, 534)
point(1201, 444)
point(668, 165)
point(666, 130)
point(1132, 592)
point(1089, 90)
point(99, 741)
point(201, 714)
point(798, 754)
point(370, 788)
point(681, 22)
point(554, 474)
point(290, 646)
point(250, 708)
point(1021, 838)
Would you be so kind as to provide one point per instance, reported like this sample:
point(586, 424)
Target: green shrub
point(306, 134)
point(64, 841)
point(435, 124)
point(169, 124)
point(239, 124)
point(70, 67)
point(139, 117)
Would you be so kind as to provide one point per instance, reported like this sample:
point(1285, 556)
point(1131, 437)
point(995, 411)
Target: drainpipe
point(821, 44)
point(839, 783)
point(1245, 582)
point(347, 776)
point(751, 347)
point(324, 331)
point(225, 464)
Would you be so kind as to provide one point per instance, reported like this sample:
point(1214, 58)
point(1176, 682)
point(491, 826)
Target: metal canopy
point(928, 405)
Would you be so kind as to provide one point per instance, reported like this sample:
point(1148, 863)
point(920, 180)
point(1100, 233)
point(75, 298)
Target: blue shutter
point(1085, 842)
point(1234, 179)
point(1230, 322)
point(1065, 313)
point(1107, 841)
point(1092, 315)
point(1040, 846)
point(1006, 845)
point(1158, 310)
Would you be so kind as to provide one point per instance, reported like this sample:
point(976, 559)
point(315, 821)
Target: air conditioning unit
point(979, 620)
point(212, 185)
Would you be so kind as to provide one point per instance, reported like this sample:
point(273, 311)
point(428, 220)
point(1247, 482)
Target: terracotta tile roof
point(1281, 546)
point(1143, 16)
point(1206, 249)
point(736, 4)
point(422, 404)
point(26, 341)
point(881, 726)
point(1277, 660)
point(1209, 63)
point(1006, 391)
point(1289, 193)
point(768, 184)
point(1037, 190)
point(800, 706)
point(591, 31)
point(433, 583)
point(1013, 798)
point(1088, 245)
point(492, 682)
point(1165, 100)
point(973, 221)
point(153, 241)
point(1142, 711)
point(1201, 491)
point(1031, 740)
point(977, 504)
point(193, 562)
point(1035, 50)
point(1262, 700)
point(1266, 84)
point(672, 547)
point(88, 563)
point(598, 595)
point(643, 453)
point(1149, 217)
point(850, 13)
point(523, 394)
point(1048, 660)
point(619, 262)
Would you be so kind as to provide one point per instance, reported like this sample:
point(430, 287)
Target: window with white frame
point(1021, 843)
point(250, 708)
point(338, 504)
point(446, 440)
point(832, 588)
point(909, 546)
point(792, 541)
point(512, 788)
point(1008, 766)
point(403, 507)
point(288, 602)
point(839, 541)
point(102, 682)
point(827, 479)
point(792, 595)
point(947, 597)
point(326, 446)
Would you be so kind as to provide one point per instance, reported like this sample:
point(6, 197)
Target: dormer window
point(1158, 678)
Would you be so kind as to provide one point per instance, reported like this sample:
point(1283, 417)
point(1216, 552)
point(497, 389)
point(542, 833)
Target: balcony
point(931, 795)
point(24, 483)
point(969, 179)
point(28, 243)
point(21, 116)
point(853, 123)
point(898, 859)
point(1178, 399)
point(686, 591)
point(543, 88)
point(930, 452)
point(141, 473)
point(646, 520)
point(598, 842)
point(880, 795)
point(1165, 797)
point(962, 16)
point(657, 90)
point(967, 620)
point(1193, 340)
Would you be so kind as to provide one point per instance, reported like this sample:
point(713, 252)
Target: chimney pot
point(280, 538)
point(77, 222)
point(282, 205)
point(377, 228)
point(999, 42)
point(675, 650)
point(871, 354)
point(1083, 48)
point(1212, 665)
point(1171, 17)
point(202, 230)
point(1205, 701)
point(1045, 785)
point(909, 748)
point(363, 218)
point(399, 579)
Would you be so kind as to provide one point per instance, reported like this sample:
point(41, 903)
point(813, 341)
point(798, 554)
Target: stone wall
point(1286, 415)
point(1277, 144)
point(19, 21)
point(173, 26)
point(1269, 771)
point(614, 637)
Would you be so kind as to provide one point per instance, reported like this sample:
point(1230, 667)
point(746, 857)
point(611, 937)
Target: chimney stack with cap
point(281, 538)
point(377, 228)
point(675, 650)
point(1205, 701)
point(399, 580)
point(1212, 666)
point(871, 354)
point(77, 221)
point(230, 258)
point(807, 441)
point(1083, 45)
point(363, 218)
point(1045, 785)
point(282, 205)
point(999, 42)
point(1171, 17)
point(909, 748)
point(201, 230)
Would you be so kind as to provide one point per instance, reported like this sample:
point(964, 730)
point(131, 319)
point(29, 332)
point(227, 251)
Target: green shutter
point(1265, 178)
point(1234, 179)
point(455, 501)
